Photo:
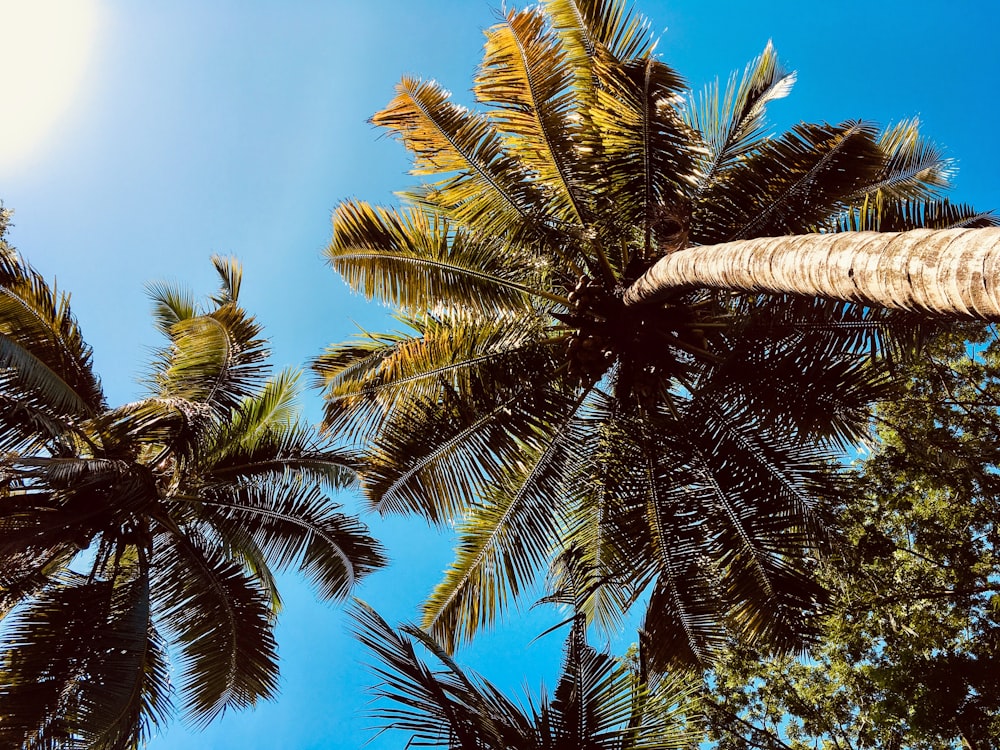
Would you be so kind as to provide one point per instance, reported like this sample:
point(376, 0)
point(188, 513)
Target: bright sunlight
point(45, 47)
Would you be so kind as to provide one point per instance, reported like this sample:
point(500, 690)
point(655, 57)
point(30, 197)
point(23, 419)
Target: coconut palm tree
point(156, 524)
point(600, 702)
point(675, 451)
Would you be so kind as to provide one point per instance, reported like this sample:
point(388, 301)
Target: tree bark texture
point(942, 271)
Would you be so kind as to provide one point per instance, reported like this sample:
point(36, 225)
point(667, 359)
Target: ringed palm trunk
point(944, 271)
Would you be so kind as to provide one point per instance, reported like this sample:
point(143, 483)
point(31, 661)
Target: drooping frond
point(294, 525)
point(504, 539)
point(223, 626)
point(367, 382)
point(80, 666)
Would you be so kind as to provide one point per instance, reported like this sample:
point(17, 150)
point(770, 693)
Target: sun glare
point(45, 49)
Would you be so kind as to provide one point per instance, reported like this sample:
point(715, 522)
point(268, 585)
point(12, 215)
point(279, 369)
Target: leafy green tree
point(681, 448)
point(908, 653)
point(600, 702)
point(157, 523)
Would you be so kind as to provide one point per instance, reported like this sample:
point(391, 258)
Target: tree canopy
point(125, 531)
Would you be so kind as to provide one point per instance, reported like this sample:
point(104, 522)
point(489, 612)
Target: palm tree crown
point(677, 452)
point(125, 530)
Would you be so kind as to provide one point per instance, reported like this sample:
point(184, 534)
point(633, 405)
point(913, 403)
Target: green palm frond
point(171, 304)
point(231, 277)
point(647, 152)
point(732, 124)
point(215, 359)
point(222, 623)
point(599, 701)
point(504, 540)
point(915, 169)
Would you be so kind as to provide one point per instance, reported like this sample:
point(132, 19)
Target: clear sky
point(137, 138)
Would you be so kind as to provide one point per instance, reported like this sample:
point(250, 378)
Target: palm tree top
point(161, 521)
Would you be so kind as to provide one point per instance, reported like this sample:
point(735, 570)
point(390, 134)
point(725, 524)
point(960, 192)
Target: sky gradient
point(230, 127)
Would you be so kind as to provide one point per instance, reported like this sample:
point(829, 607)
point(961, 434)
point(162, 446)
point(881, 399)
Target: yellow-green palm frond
point(527, 83)
point(420, 262)
point(506, 536)
point(590, 28)
point(45, 365)
point(171, 304)
point(368, 380)
point(214, 360)
point(648, 153)
point(478, 182)
point(914, 169)
point(230, 280)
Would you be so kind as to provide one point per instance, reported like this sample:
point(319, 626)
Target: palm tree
point(158, 523)
point(600, 702)
point(675, 453)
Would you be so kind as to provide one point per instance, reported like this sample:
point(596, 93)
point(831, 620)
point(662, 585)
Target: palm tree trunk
point(943, 271)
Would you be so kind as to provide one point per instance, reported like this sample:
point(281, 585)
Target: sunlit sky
point(137, 138)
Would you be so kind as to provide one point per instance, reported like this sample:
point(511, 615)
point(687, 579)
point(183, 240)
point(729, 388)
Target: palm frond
point(367, 381)
point(733, 123)
point(294, 525)
point(504, 540)
point(231, 277)
point(648, 154)
point(527, 84)
point(215, 359)
point(479, 182)
point(171, 304)
point(43, 357)
point(790, 184)
point(589, 28)
point(222, 623)
point(374, 249)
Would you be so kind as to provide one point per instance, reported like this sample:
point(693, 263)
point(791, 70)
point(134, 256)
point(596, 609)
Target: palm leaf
point(526, 82)
point(373, 248)
point(479, 184)
point(222, 624)
point(733, 123)
point(43, 357)
point(295, 525)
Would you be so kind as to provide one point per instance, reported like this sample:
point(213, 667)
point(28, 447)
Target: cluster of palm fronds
point(679, 450)
point(127, 530)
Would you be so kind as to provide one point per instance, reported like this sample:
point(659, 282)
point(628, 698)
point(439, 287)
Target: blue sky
point(196, 128)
